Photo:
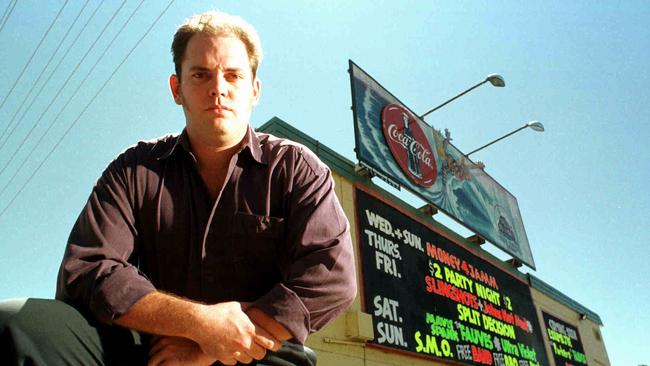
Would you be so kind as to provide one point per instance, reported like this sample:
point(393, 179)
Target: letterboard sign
point(432, 297)
point(566, 345)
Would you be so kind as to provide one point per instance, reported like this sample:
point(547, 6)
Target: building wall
point(342, 341)
point(589, 330)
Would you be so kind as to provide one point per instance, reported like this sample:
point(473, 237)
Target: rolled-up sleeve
point(319, 276)
point(95, 273)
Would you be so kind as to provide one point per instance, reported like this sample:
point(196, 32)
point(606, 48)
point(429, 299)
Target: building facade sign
point(431, 297)
point(392, 141)
point(565, 342)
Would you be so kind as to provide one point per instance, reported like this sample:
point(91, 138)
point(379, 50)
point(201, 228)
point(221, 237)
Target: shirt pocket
point(257, 226)
point(256, 244)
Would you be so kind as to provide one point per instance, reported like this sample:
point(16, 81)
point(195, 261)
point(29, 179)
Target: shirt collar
point(252, 144)
point(182, 141)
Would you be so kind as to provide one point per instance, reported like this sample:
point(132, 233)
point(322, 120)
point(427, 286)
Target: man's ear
point(257, 88)
point(175, 86)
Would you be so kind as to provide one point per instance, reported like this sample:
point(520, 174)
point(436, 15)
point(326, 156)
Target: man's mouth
point(219, 108)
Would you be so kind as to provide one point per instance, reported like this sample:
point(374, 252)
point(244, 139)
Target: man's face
point(216, 89)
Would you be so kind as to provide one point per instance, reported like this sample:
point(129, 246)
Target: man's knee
point(8, 309)
point(38, 320)
point(38, 313)
point(56, 333)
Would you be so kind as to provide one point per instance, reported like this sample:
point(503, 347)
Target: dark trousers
point(38, 332)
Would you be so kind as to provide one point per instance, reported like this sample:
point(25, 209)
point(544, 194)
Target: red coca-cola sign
point(408, 144)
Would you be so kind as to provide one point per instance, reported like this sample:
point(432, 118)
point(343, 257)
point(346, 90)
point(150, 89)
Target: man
point(222, 243)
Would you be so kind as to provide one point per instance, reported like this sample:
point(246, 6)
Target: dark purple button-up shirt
point(276, 235)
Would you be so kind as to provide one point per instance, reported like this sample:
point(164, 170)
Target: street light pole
point(494, 79)
point(534, 125)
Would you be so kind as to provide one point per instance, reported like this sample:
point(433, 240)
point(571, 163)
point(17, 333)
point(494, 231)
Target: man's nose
point(220, 86)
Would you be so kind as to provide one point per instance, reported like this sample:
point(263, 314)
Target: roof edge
point(556, 294)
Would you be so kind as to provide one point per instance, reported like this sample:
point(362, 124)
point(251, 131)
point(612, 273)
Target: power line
point(33, 54)
point(9, 4)
point(56, 68)
point(29, 94)
point(85, 108)
point(7, 13)
point(56, 96)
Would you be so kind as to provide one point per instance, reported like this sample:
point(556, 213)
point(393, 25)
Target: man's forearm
point(162, 314)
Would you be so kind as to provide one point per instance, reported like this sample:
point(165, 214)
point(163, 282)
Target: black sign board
point(566, 345)
point(430, 296)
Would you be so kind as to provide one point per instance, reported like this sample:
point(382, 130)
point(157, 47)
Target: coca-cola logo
point(408, 145)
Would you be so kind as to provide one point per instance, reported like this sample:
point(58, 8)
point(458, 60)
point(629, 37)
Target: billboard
point(396, 145)
point(431, 297)
point(566, 345)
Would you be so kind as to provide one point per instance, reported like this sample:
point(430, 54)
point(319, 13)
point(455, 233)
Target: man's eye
point(234, 77)
point(198, 75)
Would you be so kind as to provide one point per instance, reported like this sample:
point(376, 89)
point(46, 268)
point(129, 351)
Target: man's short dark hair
point(217, 24)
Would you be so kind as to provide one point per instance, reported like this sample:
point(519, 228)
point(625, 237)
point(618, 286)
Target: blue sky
point(580, 68)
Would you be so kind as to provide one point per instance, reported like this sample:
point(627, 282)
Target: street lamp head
point(496, 80)
point(535, 126)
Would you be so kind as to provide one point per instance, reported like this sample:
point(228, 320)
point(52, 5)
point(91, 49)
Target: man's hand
point(222, 331)
point(177, 351)
point(228, 334)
